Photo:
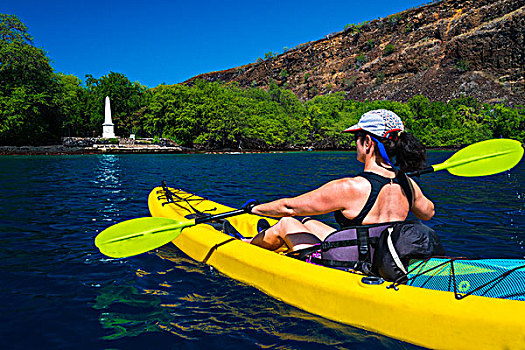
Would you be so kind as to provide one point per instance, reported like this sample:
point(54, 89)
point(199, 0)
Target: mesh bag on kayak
point(495, 278)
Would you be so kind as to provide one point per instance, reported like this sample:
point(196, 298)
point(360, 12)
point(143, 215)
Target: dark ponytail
point(409, 153)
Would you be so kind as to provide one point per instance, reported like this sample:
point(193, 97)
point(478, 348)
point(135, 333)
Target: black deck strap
point(215, 247)
point(303, 254)
point(169, 197)
point(450, 261)
point(347, 243)
point(338, 244)
point(494, 281)
point(363, 240)
point(405, 279)
point(167, 192)
point(336, 263)
point(361, 266)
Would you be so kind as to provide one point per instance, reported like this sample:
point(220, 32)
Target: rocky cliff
point(442, 50)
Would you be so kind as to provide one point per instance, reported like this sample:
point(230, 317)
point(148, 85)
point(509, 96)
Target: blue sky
point(155, 42)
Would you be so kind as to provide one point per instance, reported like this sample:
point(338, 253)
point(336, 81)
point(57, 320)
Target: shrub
point(380, 78)
point(350, 83)
point(389, 49)
point(355, 28)
point(394, 19)
point(462, 64)
point(270, 55)
point(370, 44)
point(360, 60)
point(306, 76)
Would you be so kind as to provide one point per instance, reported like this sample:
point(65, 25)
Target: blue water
point(58, 292)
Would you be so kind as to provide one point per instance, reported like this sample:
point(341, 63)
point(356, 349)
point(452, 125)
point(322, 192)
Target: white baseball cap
point(379, 122)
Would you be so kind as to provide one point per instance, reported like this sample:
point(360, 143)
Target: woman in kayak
point(373, 196)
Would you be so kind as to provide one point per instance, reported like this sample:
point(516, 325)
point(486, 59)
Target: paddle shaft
point(426, 170)
point(208, 218)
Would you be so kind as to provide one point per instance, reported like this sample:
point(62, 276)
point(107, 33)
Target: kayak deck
point(424, 317)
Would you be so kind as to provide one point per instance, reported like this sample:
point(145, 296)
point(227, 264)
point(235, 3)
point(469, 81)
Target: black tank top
point(377, 182)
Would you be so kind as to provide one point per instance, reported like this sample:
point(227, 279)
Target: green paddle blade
point(138, 236)
point(484, 158)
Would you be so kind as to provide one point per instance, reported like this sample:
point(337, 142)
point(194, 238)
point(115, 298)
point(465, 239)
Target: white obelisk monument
point(108, 128)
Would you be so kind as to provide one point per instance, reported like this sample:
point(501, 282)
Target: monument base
point(108, 131)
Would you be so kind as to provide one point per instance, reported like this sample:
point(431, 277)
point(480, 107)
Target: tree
point(72, 101)
point(126, 98)
point(27, 86)
point(13, 30)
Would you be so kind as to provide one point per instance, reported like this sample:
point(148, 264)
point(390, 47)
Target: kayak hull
point(429, 318)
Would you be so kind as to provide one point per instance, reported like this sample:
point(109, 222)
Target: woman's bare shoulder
point(351, 184)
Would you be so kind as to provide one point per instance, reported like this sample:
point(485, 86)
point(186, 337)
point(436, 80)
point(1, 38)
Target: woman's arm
point(327, 198)
point(423, 208)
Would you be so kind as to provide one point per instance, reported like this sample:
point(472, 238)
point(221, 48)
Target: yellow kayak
point(428, 318)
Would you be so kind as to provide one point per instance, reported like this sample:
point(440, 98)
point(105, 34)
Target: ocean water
point(59, 292)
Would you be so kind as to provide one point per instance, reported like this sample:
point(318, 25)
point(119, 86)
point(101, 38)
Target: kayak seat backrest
point(351, 247)
point(352, 243)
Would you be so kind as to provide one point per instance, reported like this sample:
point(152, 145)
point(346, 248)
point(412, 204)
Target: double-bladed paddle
point(140, 235)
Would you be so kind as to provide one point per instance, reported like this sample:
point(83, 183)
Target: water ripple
point(59, 290)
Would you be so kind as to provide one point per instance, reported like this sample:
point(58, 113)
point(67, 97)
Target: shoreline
point(106, 149)
point(58, 150)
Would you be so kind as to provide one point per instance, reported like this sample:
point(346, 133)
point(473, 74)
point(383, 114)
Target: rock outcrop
point(443, 50)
